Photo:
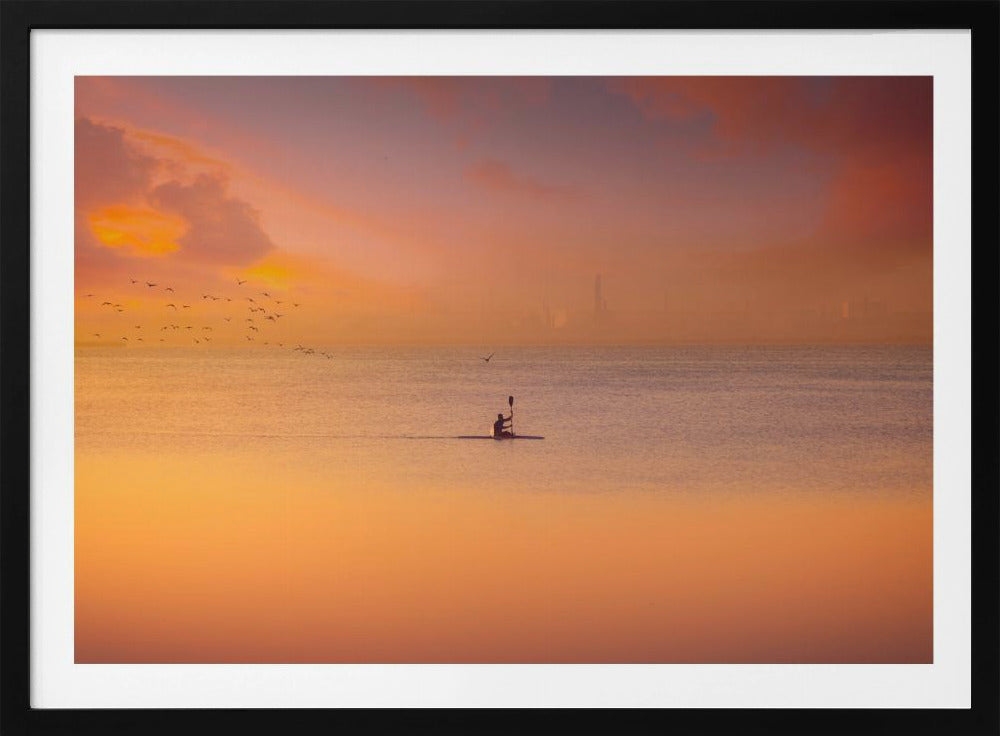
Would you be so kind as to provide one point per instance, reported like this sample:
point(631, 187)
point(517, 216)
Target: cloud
point(221, 229)
point(496, 176)
point(876, 116)
point(874, 136)
point(107, 169)
point(888, 201)
point(140, 230)
point(467, 106)
point(181, 155)
point(136, 204)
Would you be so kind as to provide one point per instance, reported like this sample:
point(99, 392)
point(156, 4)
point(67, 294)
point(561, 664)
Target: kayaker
point(501, 424)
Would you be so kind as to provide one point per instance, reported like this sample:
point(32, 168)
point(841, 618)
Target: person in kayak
point(501, 424)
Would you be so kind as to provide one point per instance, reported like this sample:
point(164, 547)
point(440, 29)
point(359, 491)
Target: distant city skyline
point(506, 210)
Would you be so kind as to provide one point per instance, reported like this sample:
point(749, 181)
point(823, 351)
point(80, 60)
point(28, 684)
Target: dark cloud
point(221, 229)
point(872, 135)
point(107, 169)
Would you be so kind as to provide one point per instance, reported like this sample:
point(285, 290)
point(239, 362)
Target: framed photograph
point(500, 366)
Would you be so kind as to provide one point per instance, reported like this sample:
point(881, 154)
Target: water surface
point(689, 504)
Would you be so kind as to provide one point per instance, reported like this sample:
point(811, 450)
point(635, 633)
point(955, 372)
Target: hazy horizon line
point(525, 344)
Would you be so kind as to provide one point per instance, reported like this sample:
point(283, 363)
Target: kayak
point(491, 437)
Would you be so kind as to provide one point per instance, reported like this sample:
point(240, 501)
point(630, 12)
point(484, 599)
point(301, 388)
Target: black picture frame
point(19, 17)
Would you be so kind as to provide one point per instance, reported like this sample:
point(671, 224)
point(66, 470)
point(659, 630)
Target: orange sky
point(481, 209)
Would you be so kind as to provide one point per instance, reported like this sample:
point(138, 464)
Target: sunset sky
point(481, 209)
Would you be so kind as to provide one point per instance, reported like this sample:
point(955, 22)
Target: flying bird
point(173, 305)
point(240, 283)
point(150, 284)
point(227, 318)
point(185, 306)
point(106, 304)
point(97, 334)
point(169, 288)
point(487, 358)
point(134, 281)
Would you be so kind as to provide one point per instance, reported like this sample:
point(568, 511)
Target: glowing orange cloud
point(274, 271)
point(141, 230)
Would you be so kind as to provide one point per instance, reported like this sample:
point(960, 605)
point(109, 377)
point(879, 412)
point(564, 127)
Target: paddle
point(510, 402)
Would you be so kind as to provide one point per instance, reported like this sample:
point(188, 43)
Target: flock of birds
point(263, 317)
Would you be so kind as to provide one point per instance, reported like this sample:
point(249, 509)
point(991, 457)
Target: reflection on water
point(687, 505)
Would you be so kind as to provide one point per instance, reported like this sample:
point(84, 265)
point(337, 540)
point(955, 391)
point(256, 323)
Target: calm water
point(665, 420)
point(709, 504)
